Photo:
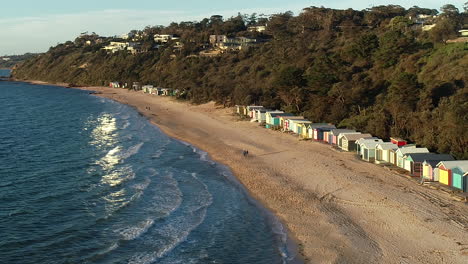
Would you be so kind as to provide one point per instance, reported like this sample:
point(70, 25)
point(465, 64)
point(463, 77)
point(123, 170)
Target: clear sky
point(35, 25)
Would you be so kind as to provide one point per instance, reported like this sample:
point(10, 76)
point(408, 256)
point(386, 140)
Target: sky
point(36, 25)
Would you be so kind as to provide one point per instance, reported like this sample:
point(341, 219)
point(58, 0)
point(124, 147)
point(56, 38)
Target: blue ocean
point(84, 179)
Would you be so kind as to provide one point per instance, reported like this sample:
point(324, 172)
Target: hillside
point(375, 70)
point(8, 62)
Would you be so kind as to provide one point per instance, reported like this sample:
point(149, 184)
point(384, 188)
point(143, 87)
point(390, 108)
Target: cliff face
point(372, 70)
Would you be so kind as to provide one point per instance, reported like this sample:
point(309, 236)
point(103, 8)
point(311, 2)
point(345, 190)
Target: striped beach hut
point(414, 161)
point(348, 141)
point(320, 131)
point(285, 121)
point(251, 110)
point(367, 148)
point(453, 173)
point(312, 127)
point(430, 170)
point(382, 152)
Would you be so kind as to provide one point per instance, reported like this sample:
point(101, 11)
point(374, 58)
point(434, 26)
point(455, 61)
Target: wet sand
point(338, 208)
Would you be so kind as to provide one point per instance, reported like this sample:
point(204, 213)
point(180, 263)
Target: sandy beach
point(338, 208)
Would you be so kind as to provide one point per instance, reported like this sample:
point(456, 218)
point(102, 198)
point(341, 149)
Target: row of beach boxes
point(419, 162)
point(149, 89)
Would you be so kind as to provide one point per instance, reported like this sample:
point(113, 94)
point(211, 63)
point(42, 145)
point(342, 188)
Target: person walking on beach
point(245, 153)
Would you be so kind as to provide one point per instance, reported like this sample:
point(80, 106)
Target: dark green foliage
point(371, 70)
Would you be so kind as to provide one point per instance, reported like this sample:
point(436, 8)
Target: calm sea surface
point(88, 180)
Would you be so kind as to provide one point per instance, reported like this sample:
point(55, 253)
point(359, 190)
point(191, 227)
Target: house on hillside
point(164, 38)
point(453, 173)
point(414, 161)
point(256, 29)
point(382, 152)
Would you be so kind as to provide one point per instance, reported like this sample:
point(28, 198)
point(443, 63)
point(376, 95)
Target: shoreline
point(336, 208)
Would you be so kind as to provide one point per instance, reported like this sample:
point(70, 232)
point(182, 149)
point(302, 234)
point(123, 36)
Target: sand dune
point(340, 209)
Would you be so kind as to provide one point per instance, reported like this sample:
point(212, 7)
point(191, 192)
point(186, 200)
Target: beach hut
point(269, 115)
point(367, 148)
point(398, 141)
point(299, 125)
point(446, 175)
point(285, 120)
point(401, 152)
point(319, 131)
point(147, 88)
point(114, 85)
point(334, 133)
point(239, 109)
point(413, 162)
point(136, 86)
point(348, 141)
point(260, 115)
point(382, 152)
point(313, 126)
point(460, 177)
point(430, 170)
point(166, 91)
point(273, 119)
point(251, 110)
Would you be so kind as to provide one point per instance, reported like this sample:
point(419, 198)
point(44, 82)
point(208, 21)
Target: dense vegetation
point(374, 70)
point(8, 62)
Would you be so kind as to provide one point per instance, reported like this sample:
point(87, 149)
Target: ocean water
point(84, 179)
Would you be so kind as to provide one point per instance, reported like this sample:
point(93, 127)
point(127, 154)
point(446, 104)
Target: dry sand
point(340, 209)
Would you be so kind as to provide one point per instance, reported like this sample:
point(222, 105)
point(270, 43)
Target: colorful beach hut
point(251, 110)
point(453, 173)
point(285, 121)
point(382, 152)
point(430, 170)
point(320, 131)
point(273, 119)
point(269, 115)
point(312, 126)
point(260, 115)
point(401, 152)
point(335, 133)
point(293, 125)
point(413, 162)
point(348, 141)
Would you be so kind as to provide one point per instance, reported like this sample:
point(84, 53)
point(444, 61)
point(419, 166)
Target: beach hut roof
point(281, 114)
point(314, 125)
point(356, 136)
point(293, 117)
point(421, 157)
point(451, 164)
point(409, 150)
point(386, 146)
point(326, 127)
point(370, 143)
point(336, 131)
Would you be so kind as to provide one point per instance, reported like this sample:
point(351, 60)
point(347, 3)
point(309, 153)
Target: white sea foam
point(131, 233)
point(130, 151)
